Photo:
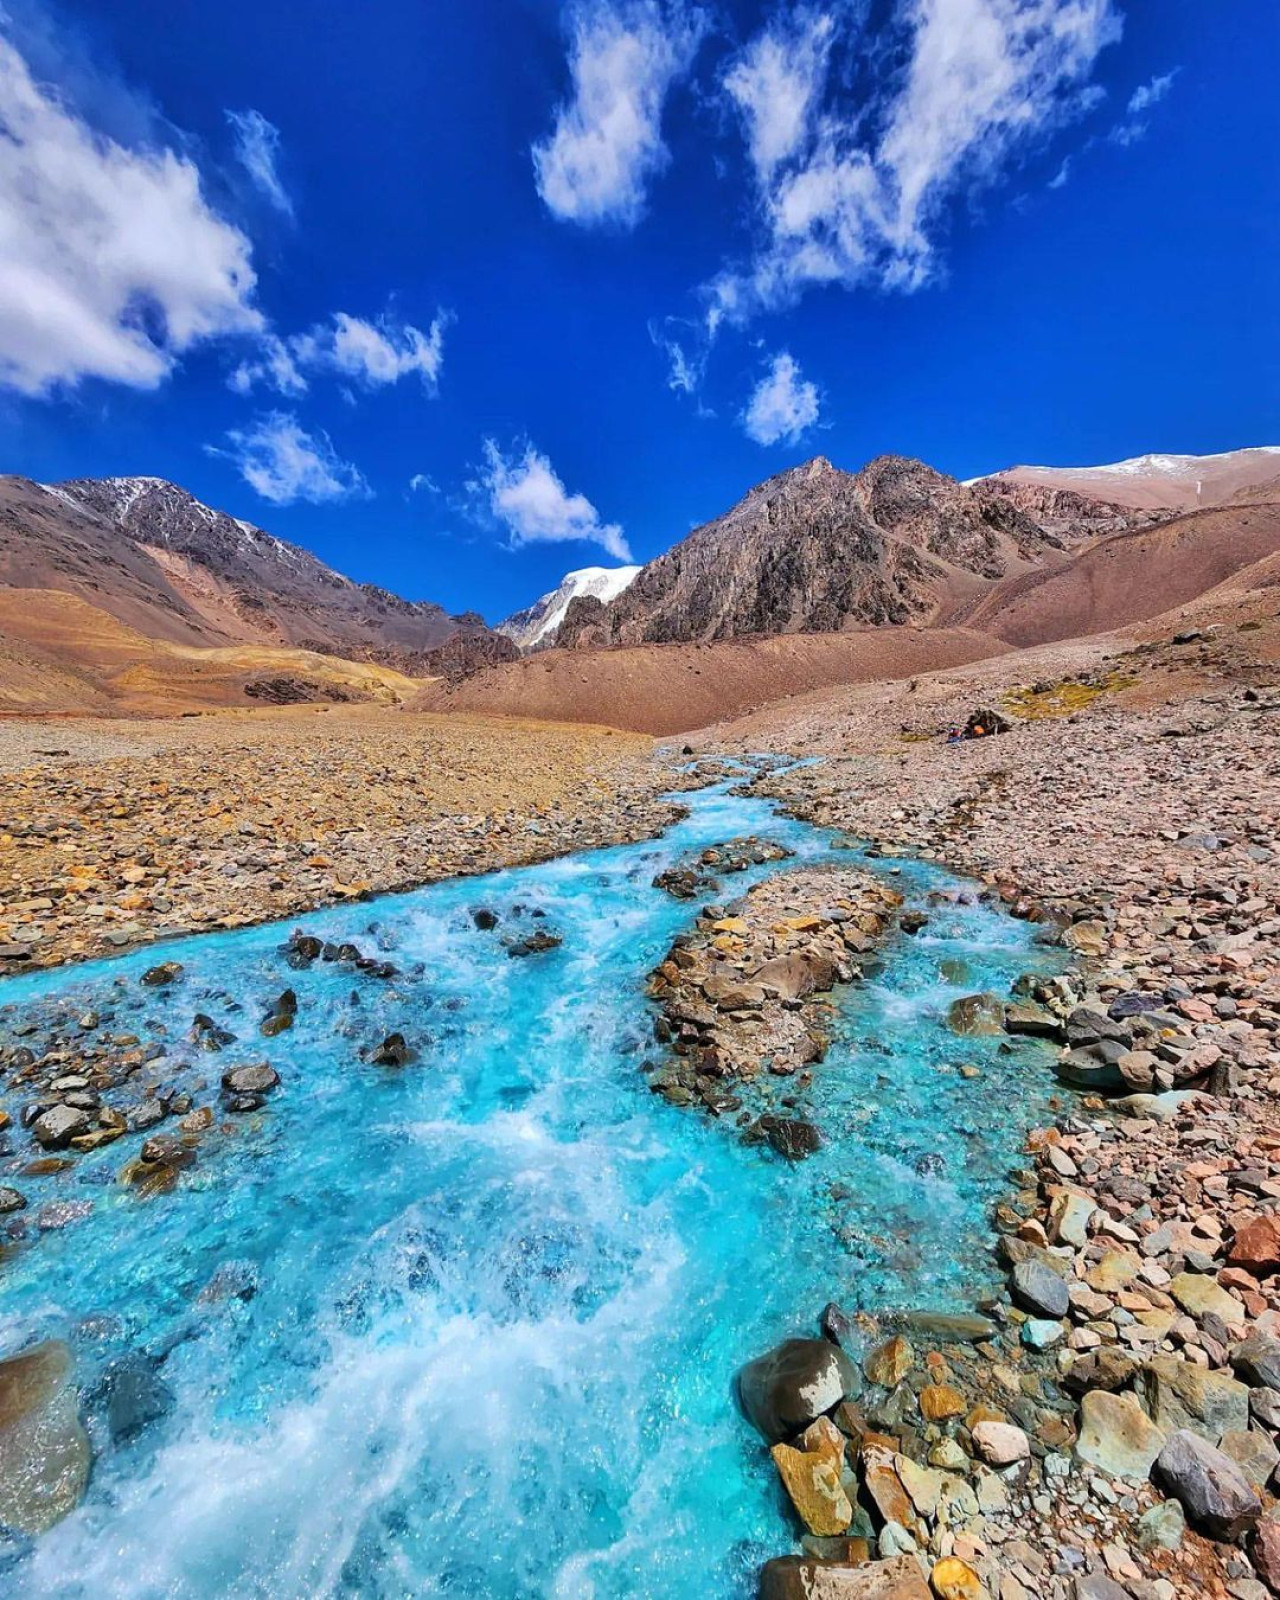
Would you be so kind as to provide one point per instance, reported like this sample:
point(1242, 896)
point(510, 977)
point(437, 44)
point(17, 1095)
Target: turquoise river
point(493, 1301)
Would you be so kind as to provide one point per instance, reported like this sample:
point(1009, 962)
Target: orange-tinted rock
point(1257, 1246)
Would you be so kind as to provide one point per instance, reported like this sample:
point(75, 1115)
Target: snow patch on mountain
point(537, 624)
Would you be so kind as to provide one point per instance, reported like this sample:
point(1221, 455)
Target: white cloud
point(373, 354)
point(606, 145)
point(527, 496)
point(861, 196)
point(776, 83)
point(257, 147)
point(1146, 95)
point(1150, 94)
point(112, 264)
point(274, 365)
point(284, 463)
point(782, 405)
point(423, 480)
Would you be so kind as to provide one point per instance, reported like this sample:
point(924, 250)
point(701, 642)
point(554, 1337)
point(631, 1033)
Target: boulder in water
point(44, 1450)
point(976, 1014)
point(394, 1051)
point(790, 1136)
point(794, 1384)
point(167, 972)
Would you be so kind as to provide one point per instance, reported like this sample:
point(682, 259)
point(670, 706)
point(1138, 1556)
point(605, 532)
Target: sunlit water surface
point(503, 1291)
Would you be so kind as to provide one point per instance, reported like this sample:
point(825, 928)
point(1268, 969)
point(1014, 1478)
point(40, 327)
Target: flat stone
point(976, 1015)
point(57, 1127)
point(1257, 1360)
point(1117, 1436)
point(44, 1450)
point(1115, 1271)
point(1162, 1527)
point(938, 1401)
point(949, 1327)
point(1098, 1586)
point(1215, 1494)
point(1179, 1394)
point(1040, 1290)
point(1069, 1217)
point(257, 1079)
point(799, 1578)
point(889, 1363)
point(1000, 1444)
point(1256, 1246)
point(1253, 1452)
point(1200, 1296)
point(953, 1579)
point(1025, 1016)
point(812, 1479)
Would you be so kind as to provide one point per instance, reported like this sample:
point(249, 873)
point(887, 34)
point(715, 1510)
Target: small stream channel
point(496, 1298)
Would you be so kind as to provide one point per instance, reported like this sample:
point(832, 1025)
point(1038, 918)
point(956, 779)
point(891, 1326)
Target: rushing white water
point(501, 1293)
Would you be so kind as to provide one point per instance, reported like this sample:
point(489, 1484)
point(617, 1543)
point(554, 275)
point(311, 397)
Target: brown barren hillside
point(665, 689)
point(1159, 482)
point(1127, 578)
point(58, 653)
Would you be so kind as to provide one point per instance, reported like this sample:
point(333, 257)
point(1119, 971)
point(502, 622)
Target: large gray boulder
point(59, 1125)
point(791, 1386)
point(1215, 1494)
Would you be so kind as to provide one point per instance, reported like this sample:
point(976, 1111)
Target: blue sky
point(462, 296)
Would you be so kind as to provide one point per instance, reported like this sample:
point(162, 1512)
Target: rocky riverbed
point(1114, 1431)
point(744, 1003)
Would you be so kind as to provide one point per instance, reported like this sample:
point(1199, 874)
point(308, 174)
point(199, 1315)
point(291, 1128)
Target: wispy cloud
point(1130, 130)
point(783, 404)
point(284, 463)
point(861, 195)
point(1141, 101)
point(112, 262)
point(257, 149)
point(596, 164)
point(371, 354)
point(526, 495)
point(1151, 94)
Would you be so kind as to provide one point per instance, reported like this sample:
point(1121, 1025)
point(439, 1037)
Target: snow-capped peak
point(537, 624)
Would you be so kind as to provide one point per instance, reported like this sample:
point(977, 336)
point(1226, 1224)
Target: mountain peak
point(537, 624)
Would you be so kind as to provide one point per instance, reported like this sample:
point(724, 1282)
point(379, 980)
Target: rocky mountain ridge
point(159, 560)
point(819, 550)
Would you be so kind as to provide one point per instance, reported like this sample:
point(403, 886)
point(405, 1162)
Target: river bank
point(118, 833)
point(1144, 836)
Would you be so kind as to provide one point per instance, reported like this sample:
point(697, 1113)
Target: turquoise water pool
point(501, 1293)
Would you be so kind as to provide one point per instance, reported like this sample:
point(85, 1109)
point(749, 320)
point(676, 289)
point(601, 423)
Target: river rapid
point(485, 1309)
